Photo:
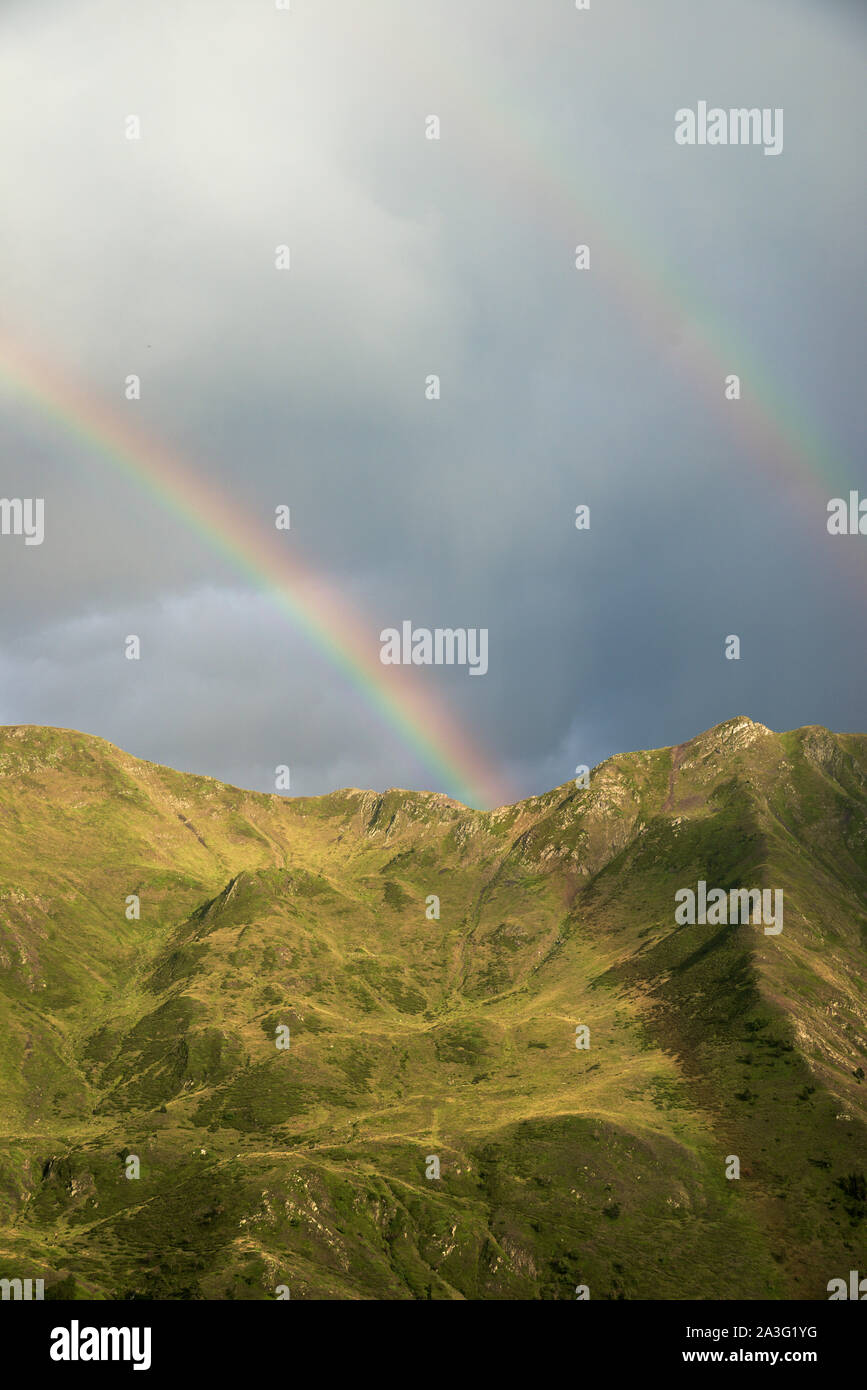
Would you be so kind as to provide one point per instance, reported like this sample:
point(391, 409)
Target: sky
point(410, 257)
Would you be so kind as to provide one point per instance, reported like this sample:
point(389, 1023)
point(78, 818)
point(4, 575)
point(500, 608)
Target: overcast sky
point(409, 257)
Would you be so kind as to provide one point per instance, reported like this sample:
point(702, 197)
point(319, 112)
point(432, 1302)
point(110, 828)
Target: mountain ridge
point(412, 1035)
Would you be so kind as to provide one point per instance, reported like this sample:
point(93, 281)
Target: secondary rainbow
point(534, 174)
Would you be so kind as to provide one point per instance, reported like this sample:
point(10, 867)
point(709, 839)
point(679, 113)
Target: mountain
point(150, 1042)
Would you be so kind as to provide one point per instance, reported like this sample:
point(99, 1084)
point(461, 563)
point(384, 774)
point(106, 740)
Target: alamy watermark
point(444, 646)
point(847, 519)
point(23, 1289)
point(77, 1343)
point(737, 126)
point(719, 908)
point(23, 516)
point(856, 1288)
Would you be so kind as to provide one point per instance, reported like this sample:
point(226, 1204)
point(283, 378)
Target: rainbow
point(314, 605)
point(517, 150)
point(514, 154)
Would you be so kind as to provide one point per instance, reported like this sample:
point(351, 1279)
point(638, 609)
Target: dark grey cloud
point(411, 257)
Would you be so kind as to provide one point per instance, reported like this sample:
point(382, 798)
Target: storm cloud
point(455, 257)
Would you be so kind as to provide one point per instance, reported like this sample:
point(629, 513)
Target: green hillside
point(413, 1037)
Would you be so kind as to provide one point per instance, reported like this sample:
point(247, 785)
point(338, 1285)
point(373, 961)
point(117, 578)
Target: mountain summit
point(384, 1046)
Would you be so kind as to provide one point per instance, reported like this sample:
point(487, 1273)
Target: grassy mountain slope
point(414, 1037)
